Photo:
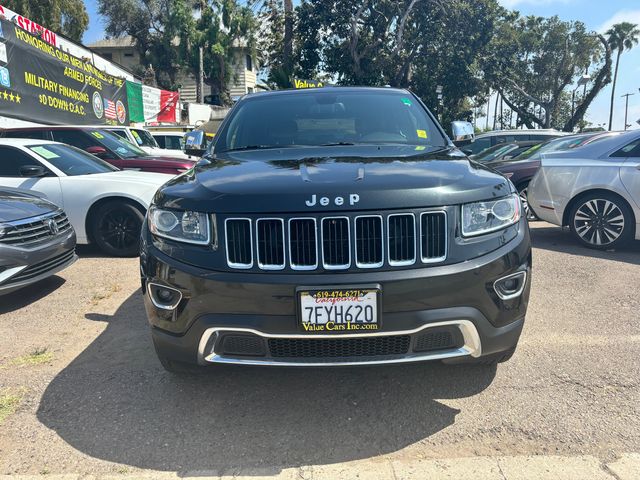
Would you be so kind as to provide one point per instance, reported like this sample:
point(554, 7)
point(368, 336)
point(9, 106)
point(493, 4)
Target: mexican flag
point(151, 105)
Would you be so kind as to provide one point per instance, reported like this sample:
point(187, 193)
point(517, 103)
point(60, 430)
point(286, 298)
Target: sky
point(598, 15)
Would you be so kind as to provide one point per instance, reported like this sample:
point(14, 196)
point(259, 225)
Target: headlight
point(489, 216)
point(181, 226)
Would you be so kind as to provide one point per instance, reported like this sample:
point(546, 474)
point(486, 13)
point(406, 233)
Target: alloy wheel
point(119, 229)
point(598, 222)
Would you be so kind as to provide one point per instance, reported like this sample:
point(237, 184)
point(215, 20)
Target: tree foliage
point(68, 17)
point(170, 33)
point(622, 36)
point(534, 60)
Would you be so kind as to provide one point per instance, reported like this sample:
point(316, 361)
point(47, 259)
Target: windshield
point(494, 152)
point(71, 160)
point(330, 117)
point(144, 138)
point(116, 144)
point(568, 143)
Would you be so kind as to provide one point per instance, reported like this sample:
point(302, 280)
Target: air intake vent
point(369, 243)
point(433, 236)
point(303, 249)
point(270, 243)
point(402, 239)
point(336, 253)
point(238, 235)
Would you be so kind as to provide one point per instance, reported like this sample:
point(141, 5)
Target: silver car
point(593, 189)
point(36, 239)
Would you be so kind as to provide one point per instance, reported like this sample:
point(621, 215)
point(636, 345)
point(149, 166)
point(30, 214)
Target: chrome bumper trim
point(471, 347)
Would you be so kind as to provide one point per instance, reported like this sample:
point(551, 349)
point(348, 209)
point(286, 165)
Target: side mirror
point(195, 143)
point(463, 133)
point(32, 171)
point(98, 151)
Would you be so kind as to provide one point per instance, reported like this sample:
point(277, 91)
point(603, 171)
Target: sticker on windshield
point(421, 133)
point(44, 153)
point(97, 135)
point(406, 101)
point(421, 147)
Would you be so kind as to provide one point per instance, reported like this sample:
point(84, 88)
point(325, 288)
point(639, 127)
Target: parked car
point(105, 145)
point(36, 239)
point(521, 169)
point(503, 151)
point(144, 140)
point(489, 139)
point(104, 205)
point(594, 190)
point(321, 209)
point(170, 140)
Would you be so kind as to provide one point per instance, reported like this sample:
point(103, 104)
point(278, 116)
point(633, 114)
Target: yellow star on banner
point(18, 98)
point(11, 97)
point(5, 95)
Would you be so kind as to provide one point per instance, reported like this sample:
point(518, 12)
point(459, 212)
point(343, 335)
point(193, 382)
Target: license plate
point(339, 310)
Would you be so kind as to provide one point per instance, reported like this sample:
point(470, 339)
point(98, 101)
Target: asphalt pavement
point(90, 398)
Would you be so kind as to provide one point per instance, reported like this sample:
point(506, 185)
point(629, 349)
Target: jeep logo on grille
point(325, 201)
point(53, 227)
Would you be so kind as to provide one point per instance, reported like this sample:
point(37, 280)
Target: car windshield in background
point(327, 118)
point(493, 152)
point(71, 160)
point(117, 144)
point(144, 138)
point(556, 145)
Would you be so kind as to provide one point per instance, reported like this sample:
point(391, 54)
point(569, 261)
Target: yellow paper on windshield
point(97, 134)
point(421, 133)
point(44, 153)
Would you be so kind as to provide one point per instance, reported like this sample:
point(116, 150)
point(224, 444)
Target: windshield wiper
point(256, 147)
point(336, 144)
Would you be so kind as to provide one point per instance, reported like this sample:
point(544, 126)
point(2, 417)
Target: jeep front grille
point(336, 242)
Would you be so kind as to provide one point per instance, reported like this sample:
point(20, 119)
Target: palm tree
point(622, 36)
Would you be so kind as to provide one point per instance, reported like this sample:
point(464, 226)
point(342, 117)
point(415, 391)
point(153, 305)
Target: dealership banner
point(43, 84)
point(152, 105)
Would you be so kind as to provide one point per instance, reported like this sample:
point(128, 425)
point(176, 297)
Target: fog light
point(164, 297)
point(510, 286)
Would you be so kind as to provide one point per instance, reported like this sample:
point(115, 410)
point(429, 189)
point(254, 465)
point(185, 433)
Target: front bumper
point(458, 301)
point(20, 267)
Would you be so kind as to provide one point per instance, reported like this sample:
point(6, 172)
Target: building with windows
point(122, 51)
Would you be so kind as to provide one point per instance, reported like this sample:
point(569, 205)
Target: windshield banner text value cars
point(41, 83)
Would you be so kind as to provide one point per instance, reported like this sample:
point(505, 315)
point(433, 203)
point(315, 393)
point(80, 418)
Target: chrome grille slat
point(401, 239)
point(337, 242)
point(270, 238)
point(433, 245)
point(303, 246)
point(239, 242)
point(369, 242)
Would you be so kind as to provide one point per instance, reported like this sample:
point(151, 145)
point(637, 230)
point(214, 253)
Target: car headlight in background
point(489, 216)
point(181, 226)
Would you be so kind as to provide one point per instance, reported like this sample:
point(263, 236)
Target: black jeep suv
point(335, 226)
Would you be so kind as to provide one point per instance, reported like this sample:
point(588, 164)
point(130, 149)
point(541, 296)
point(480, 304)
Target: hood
point(14, 206)
point(332, 179)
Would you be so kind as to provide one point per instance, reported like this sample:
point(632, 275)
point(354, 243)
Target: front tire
point(115, 228)
point(601, 221)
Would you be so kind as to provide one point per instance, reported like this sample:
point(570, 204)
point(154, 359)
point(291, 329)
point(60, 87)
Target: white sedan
point(594, 189)
point(105, 205)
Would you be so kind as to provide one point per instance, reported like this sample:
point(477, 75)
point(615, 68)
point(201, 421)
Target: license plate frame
point(352, 328)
